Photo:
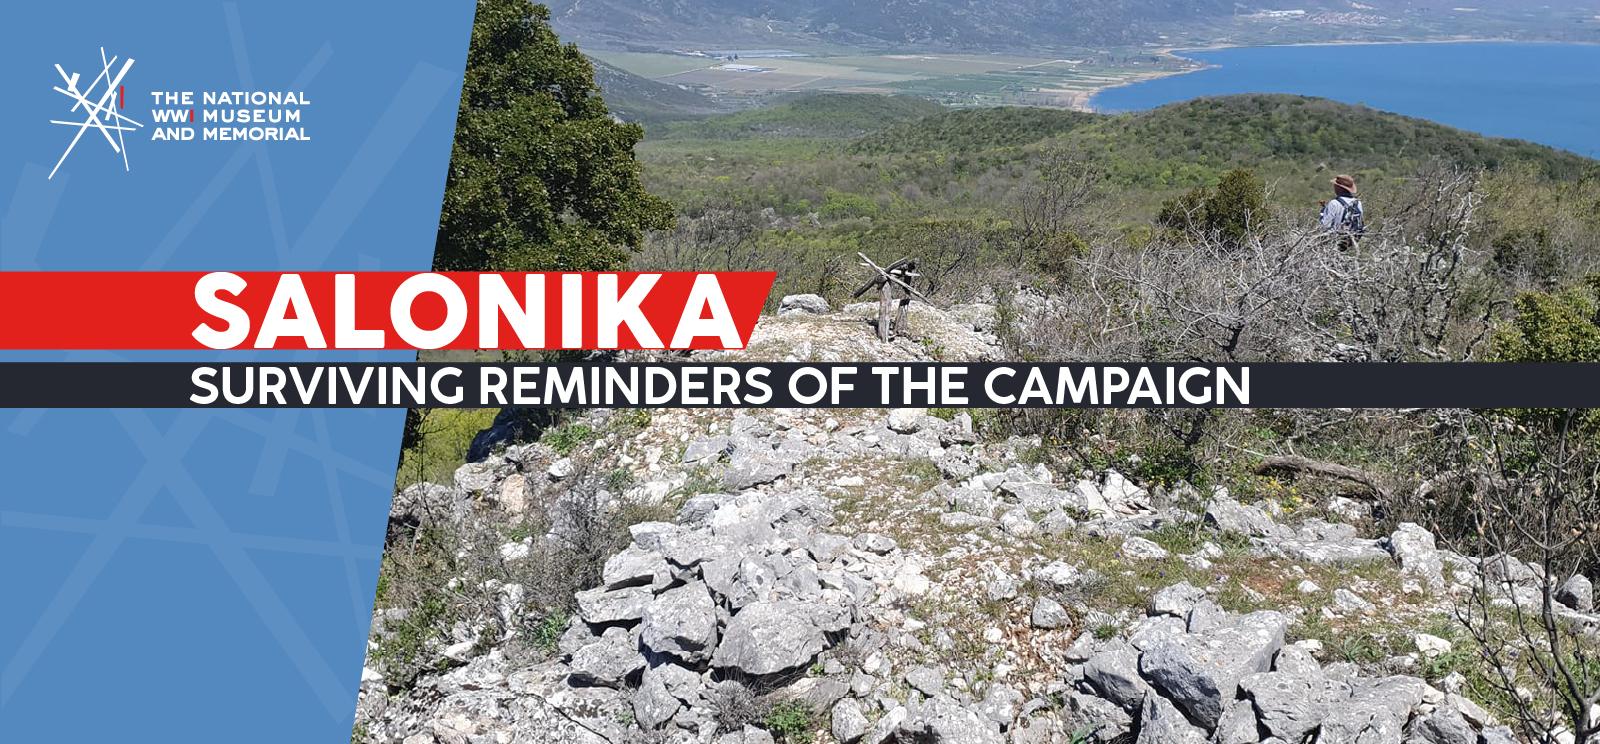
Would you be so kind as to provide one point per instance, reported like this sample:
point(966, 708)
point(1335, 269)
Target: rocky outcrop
point(803, 303)
point(899, 579)
point(1237, 682)
point(1200, 671)
point(1414, 549)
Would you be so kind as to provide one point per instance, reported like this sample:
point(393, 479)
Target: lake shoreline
point(1087, 103)
point(1549, 97)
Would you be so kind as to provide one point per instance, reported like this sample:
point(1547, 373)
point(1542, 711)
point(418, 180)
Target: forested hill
point(797, 185)
point(1205, 135)
point(969, 130)
point(1231, 131)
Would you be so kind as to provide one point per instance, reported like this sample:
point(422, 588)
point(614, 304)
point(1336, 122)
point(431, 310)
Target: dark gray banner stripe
point(174, 385)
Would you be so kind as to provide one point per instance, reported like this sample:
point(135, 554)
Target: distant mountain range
point(1000, 24)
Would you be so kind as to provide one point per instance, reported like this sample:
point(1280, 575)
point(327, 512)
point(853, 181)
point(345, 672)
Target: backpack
point(1352, 221)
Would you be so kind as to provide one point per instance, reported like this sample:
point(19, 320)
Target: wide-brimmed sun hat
point(1347, 183)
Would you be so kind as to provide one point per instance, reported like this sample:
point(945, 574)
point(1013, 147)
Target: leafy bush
point(547, 633)
point(840, 205)
point(1530, 254)
point(1232, 211)
point(791, 722)
point(1561, 326)
point(566, 438)
point(415, 576)
point(438, 442)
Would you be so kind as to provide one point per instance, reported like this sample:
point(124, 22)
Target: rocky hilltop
point(891, 576)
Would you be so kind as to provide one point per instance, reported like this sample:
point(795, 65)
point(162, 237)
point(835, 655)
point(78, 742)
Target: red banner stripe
point(159, 310)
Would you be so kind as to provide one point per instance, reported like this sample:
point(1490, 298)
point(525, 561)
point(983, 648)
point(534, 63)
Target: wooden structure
point(893, 283)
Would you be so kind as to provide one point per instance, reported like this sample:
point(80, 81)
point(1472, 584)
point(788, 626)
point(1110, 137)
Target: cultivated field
point(958, 79)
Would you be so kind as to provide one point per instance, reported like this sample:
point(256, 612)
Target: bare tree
point(449, 571)
point(1399, 294)
point(1283, 291)
point(722, 236)
point(1055, 205)
point(1187, 299)
point(1534, 488)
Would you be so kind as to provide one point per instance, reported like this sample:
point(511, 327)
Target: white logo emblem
point(102, 113)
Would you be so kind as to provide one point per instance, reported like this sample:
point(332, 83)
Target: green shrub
point(632, 420)
point(1167, 463)
point(407, 649)
point(1059, 254)
point(841, 205)
point(1233, 211)
point(791, 722)
point(1185, 212)
point(566, 438)
point(1560, 326)
point(1531, 253)
point(924, 472)
point(1238, 207)
point(619, 480)
point(447, 574)
point(547, 634)
point(438, 440)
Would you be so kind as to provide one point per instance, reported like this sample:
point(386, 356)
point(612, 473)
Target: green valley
point(803, 184)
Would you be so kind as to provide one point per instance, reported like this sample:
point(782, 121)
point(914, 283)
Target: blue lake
point(1547, 93)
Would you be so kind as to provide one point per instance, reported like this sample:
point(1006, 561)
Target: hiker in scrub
point(1343, 215)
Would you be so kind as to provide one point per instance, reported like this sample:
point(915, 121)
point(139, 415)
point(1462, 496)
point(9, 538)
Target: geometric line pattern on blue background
point(259, 531)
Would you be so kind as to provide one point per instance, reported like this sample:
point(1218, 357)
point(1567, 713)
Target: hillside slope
point(838, 116)
point(903, 140)
point(966, 130)
point(1218, 131)
point(1234, 131)
point(634, 98)
point(1003, 24)
point(796, 187)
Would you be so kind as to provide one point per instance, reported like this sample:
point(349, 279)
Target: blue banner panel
point(195, 575)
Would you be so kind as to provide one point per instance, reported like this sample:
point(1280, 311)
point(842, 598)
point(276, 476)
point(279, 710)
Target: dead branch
point(1298, 464)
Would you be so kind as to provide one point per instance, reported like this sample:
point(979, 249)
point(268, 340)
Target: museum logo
point(176, 114)
point(99, 107)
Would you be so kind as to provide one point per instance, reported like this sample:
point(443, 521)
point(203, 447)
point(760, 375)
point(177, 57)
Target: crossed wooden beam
point(889, 281)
